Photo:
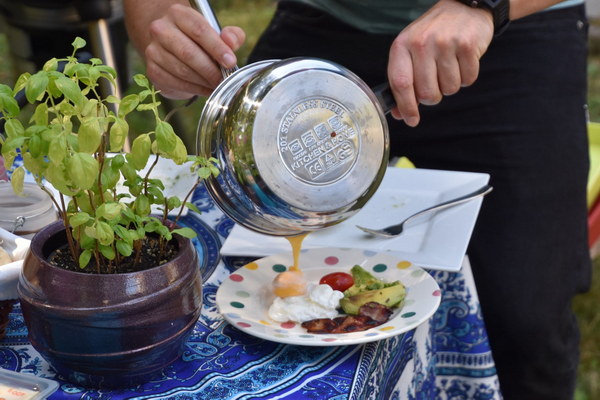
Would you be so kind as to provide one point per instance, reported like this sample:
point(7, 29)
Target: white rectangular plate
point(438, 241)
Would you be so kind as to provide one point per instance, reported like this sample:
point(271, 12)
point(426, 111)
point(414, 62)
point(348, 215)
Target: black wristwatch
point(500, 12)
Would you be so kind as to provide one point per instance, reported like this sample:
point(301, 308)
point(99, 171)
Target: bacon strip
point(370, 315)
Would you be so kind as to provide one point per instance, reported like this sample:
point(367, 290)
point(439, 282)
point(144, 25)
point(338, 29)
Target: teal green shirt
point(383, 16)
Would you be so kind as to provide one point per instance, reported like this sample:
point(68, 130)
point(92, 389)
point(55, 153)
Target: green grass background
point(253, 15)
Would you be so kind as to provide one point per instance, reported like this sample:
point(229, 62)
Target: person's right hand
point(183, 52)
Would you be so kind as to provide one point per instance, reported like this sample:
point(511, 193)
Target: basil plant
point(75, 142)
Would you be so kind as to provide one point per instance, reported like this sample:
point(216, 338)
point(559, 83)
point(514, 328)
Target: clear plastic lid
point(20, 386)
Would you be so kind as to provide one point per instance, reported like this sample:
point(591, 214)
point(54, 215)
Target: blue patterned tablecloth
point(447, 357)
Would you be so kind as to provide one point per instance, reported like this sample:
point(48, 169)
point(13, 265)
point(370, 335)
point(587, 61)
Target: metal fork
point(395, 230)
point(206, 10)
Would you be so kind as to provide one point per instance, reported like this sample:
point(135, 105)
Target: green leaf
point(50, 65)
point(57, 150)
point(36, 86)
point(78, 43)
point(21, 82)
point(34, 165)
point(179, 155)
point(141, 205)
point(35, 146)
point(84, 258)
point(165, 137)
point(152, 226)
point(107, 251)
point(16, 181)
point(173, 202)
point(14, 128)
point(157, 194)
point(12, 143)
point(79, 219)
point(185, 232)
point(83, 170)
point(141, 80)
point(70, 89)
point(40, 115)
point(55, 173)
point(128, 104)
point(90, 108)
point(140, 151)
point(118, 134)
point(109, 211)
point(9, 105)
point(89, 136)
point(123, 233)
point(104, 233)
point(193, 207)
point(117, 161)
point(110, 177)
point(125, 249)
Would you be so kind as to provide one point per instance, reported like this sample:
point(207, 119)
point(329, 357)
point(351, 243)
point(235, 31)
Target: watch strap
point(500, 12)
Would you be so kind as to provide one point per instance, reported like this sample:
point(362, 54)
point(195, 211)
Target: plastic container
point(19, 386)
point(24, 216)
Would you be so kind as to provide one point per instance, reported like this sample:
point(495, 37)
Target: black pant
point(524, 123)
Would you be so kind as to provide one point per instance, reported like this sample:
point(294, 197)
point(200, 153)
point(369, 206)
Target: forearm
point(522, 8)
point(138, 16)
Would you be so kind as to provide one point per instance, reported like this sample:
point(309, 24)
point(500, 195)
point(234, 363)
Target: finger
point(234, 37)
point(172, 86)
point(400, 76)
point(205, 36)
point(427, 87)
point(160, 56)
point(469, 69)
point(449, 74)
point(178, 53)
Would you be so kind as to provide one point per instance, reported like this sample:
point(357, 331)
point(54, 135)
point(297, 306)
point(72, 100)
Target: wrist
point(499, 9)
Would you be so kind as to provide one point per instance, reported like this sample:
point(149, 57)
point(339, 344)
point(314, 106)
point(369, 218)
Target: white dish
point(438, 241)
point(16, 247)
point(245, 296)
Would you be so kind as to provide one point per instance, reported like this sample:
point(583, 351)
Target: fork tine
point(375, 232)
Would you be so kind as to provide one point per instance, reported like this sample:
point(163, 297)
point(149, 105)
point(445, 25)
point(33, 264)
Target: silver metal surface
point(397, 229)
point(302, 144)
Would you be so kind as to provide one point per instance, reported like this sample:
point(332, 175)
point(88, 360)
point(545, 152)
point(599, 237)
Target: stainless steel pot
point(302, 144)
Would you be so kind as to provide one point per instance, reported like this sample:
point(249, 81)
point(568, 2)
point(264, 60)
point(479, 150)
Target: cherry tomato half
point(338, 280)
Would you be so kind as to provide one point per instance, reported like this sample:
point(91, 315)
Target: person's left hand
point(436, 55)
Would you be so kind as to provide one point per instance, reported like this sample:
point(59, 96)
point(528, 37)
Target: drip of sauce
point(291, 282)
point(296, 242)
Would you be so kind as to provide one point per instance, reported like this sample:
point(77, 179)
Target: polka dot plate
point(245, 296)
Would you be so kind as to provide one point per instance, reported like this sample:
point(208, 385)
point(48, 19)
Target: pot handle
point(206, 10)
point(385, 97)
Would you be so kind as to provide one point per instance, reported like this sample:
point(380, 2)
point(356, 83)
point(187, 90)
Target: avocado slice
point(391, 296)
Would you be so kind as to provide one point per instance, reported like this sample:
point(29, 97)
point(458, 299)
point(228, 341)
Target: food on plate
point(320, 301)
point(365, 300)
point(391, 296)
point(338, 280)
point(369, 316)
point(289, 284)
point(367, 288)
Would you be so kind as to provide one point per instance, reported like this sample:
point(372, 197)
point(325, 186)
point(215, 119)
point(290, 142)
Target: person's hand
point(183, 52)
point(436, 55)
